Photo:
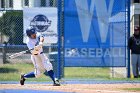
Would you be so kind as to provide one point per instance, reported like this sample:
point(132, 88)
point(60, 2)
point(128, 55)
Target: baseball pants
point(135, 58)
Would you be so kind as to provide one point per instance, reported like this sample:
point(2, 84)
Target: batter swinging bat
point(18, 54)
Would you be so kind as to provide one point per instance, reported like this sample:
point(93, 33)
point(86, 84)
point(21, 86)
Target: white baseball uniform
point(39, 59)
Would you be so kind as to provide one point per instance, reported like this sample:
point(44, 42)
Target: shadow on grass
point(7, 70)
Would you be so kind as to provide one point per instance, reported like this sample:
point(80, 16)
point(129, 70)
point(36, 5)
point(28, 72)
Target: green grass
point(86, 72)
point(11, 72)
point(132, 89)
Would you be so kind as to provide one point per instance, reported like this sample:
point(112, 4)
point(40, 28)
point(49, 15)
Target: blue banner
point(95, 32)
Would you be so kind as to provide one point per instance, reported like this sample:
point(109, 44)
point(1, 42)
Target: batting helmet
point(30, 31)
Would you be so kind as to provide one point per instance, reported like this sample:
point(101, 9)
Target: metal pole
point(59, 38)
point(4, 53)
point(128, 65)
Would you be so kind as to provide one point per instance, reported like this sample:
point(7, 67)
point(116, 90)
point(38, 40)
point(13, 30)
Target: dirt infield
point(76, 88)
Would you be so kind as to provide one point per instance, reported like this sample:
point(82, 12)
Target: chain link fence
point(12, 34)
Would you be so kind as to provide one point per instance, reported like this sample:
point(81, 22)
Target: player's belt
point(40, 53)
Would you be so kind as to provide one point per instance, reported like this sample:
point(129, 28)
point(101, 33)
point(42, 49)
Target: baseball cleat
point(22, 79)
point(56, 83)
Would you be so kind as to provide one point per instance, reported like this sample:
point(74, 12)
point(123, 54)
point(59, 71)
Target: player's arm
point(41, 40)
point(130, 41)
point(32, 49)
point(40, 45)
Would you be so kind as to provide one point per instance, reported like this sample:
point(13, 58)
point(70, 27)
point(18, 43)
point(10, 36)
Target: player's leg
point(139, 66)
point(134, 64)
point(49, 70)
point(28, 75)
point(51, 74)
point(24, 76)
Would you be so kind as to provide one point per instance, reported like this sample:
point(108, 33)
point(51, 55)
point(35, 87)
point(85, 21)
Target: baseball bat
point(23, 52)
point(18, 54)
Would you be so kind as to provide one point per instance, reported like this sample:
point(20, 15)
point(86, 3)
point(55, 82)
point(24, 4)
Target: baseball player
point(40, 61)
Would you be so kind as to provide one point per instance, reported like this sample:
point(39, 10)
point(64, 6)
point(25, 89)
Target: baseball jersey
point(31, 43)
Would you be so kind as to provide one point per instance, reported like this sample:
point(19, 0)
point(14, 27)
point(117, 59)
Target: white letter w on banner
point(85, 17)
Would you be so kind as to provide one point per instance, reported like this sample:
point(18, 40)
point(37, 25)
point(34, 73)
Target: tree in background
point(12, 26)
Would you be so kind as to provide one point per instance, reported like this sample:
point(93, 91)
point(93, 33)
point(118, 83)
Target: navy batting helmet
point(30, 31)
